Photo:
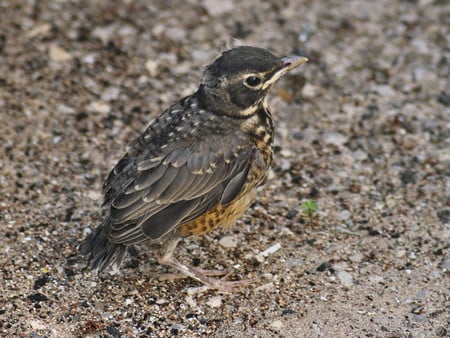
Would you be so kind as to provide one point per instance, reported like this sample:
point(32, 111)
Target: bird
point(195, 167)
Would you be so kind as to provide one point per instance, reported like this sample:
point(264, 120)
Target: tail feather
point(100, 252)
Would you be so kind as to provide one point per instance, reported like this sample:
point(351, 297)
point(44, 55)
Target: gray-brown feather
point(149, 194)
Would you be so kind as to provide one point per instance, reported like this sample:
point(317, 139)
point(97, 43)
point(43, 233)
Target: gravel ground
point(363, 130)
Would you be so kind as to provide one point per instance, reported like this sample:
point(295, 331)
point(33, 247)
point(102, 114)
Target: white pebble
point(58, 54)
point(344, 215)
point(333, 137)
point(274, 248)
point(345, 278)
point(228, 242)
point(276, 325)
point(215, 301)
point(218, 7)
point(99, 107)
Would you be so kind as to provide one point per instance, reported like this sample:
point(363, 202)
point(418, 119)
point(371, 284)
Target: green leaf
point(309, 207)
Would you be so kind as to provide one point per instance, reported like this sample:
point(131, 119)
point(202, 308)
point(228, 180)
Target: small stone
point(401, 253)
point(58, 54)
point(293, 262)
point(175, 33)
point(89, 58)
point(218, 7)
point(345, 278)
point(385, 90)
point(445, 264)
point(276, 325)
point(359, 155)
point(113, 331)
point(310, 91)
point(444, 98)
point(110, 93)
point(38, 297)
point(64, 109)
point(444, 215)
point(99, 107)
point(228, 242)
point(107, 315)
point(175, 329)
point(215, 301)
point(94, 195)
point(356, 258)
point(40, 282)
point(376, 279)
point(344, 215)
point(333, 137)
point(43, 30)
point(419, 318)
point(37, 325)
point(104, 33)
point(324, 267)
point(161, 301)
point(441, 331)
point(274, 248)
point(420, 46)
point(152, 67)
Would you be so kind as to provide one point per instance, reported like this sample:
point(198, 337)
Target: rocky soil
point(363, 130)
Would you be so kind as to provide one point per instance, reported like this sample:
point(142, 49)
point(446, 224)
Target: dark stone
point(38, 297)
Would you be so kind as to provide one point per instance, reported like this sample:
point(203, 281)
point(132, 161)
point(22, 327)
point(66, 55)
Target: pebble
point(310, 91)
point(64, 109)
point(37, 325)
point(376, 279)
point(89, 58)
point(274, 248)
point(99, 107)
point(419, 318)
point(110, 93)
point(175, 33)
point(152, 67)
point(276, 325)
point(344, 215)
point(359, 155)
point(356, 258)
point(228, 242)
point(59, 54)
point(215, 301)
point(385, 90)
point(113, 331)
point(334, 137)
point(345, 278)
point(94, 195)
point(43, 30)
point(176, 328)
point(444, 214)
point(218, 7)
point(446, 264)
point(161, 301)
point(401, 253)
point(104, 33)
point(293, 262)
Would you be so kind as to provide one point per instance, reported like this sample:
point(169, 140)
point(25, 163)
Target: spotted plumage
point(196, 166)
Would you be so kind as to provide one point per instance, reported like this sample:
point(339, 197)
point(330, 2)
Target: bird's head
point(237, 82)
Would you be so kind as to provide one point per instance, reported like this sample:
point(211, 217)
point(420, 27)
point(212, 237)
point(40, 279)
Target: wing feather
point(175, 187)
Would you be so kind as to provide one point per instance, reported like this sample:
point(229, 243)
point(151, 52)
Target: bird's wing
point(149, 197)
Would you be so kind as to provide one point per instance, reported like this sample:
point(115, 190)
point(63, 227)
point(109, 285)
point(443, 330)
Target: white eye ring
point(253, 81)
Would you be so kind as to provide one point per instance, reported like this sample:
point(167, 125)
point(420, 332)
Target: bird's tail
point(100, 252)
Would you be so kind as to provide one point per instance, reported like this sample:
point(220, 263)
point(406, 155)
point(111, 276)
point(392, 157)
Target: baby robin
point(196, 167)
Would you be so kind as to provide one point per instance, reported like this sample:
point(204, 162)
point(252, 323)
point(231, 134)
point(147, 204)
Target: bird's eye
point(252, 81)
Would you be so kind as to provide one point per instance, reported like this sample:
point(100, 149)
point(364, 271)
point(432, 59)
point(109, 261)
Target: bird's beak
point(290, 62)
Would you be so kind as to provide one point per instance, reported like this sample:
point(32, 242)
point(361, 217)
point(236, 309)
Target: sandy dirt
point(363, 130)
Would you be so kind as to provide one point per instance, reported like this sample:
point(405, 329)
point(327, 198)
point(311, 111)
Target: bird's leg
point(200, 275)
